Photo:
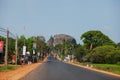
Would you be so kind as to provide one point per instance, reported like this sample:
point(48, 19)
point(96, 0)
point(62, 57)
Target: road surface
point(57, 70)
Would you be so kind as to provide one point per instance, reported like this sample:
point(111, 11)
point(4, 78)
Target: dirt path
point(18, 73)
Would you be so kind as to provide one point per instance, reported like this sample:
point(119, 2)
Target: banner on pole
point(24, 50)
point(1, 46)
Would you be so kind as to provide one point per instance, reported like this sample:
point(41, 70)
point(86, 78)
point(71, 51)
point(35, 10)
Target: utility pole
point(16, 48)
point(24, 35)
point(6, 48)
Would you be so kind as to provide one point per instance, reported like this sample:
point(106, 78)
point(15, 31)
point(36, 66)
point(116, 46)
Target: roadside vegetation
point(108, 67)
point(97, 49)
point(8, 68)
point(114, 68)
point(40, 51)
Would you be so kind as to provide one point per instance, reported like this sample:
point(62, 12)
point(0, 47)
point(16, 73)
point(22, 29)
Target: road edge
point(20, 77)
point(94, 69)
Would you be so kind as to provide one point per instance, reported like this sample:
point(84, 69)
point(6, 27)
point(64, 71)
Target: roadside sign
point(1, 46)
point(38, 53)
point(24, 50)
point(34, 45)
point(33, 51)
point(28, 52)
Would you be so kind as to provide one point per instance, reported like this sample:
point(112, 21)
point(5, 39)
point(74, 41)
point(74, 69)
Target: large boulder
point(60, 38)
point(41, 38)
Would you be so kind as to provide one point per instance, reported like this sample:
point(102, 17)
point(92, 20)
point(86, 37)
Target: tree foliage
point(79, 53)
point(65, 48)
point(11, 45)
point(21, 42)
point(95, 38)
point(41, 45)
point(105, 54)
point(50, 43)
point(29, 44)
point(118, 45)
point(2, 38)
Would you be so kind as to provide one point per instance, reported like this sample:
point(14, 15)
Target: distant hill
point(59, 38)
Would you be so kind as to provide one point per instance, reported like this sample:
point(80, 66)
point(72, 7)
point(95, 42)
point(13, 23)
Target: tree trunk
point(91, 46)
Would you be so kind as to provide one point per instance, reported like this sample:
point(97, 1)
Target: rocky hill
point(59, 38)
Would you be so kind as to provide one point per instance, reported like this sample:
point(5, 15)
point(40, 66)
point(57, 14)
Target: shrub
point(118, 63)
point(105, 54)
point(113, 57)
point(79, 53)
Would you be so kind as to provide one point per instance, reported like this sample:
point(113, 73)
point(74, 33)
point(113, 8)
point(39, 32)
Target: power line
point(11, 34)
point(2, 28)
point(2, 34)
point(5, 30)
point(8, 34)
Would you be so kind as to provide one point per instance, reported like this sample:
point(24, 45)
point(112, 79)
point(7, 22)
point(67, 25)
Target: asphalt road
point(57, 70)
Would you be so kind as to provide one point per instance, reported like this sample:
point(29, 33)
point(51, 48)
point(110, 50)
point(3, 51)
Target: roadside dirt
point(18, 73)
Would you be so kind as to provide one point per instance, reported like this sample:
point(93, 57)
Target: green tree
point(79, 53)
point(118, 45)
point(105, 54)
point(29, 43)
point(21, 42)
point(41, 45)
point(58, 48)
point(11, 46)
point(2, 38)
point(50, 44)
point(95, 38)
point(67, 47)
point(113, 57)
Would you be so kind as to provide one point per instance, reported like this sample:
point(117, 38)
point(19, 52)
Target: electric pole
point(16, 48)
point(6, 48)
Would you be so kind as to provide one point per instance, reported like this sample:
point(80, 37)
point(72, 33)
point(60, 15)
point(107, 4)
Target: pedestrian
point(29, 59)
point(13, 58)
point(22, 60)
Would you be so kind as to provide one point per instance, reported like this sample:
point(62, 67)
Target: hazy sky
point(50, 17)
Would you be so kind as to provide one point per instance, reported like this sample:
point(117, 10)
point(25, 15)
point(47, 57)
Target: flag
point(1, 46)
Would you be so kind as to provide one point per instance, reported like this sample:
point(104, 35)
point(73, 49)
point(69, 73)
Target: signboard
point(34, 45)
point(33, 51)
point(24, 50)
point(38, 53)
point(28, 52)
point(1, 46)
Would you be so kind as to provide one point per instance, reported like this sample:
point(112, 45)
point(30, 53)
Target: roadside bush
point(79, 53)
point(113, 57)
point(118, 63)
point(8, 68)
point(105, 54)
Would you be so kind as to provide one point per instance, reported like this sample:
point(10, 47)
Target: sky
point(72, 17)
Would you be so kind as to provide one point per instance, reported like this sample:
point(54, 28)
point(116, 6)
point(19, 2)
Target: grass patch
point(108, 67)
point(8, 68)
point(114, 68)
